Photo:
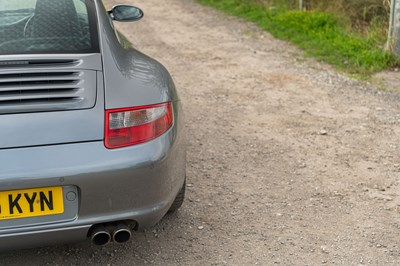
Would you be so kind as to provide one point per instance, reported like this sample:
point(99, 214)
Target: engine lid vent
point(54, 90)
point(39, 63)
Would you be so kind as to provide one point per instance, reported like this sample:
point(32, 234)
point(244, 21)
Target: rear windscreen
point(47, 26)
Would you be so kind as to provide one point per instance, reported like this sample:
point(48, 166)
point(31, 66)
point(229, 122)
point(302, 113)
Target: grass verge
point(319, 34)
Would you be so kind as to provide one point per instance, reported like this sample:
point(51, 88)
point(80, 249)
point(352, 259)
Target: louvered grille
point(47, 91)
point(36, 63)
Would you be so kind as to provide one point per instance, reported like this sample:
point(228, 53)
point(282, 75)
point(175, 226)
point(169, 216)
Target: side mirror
point(125, 13)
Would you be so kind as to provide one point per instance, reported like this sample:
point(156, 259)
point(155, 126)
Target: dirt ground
point(289, 162)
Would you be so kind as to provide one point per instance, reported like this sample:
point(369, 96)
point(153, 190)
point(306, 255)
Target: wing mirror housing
point(126, 13)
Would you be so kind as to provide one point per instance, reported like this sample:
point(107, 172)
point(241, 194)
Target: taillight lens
point(131, 126)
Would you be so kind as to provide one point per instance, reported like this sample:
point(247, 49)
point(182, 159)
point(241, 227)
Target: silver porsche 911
point(91, 130)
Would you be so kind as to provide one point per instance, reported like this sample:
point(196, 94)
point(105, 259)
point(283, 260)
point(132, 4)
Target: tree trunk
point(305, 4)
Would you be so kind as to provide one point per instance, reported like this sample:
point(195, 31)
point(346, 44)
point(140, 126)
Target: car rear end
point(72, 165)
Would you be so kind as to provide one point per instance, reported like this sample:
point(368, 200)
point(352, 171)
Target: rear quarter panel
point(130, 77)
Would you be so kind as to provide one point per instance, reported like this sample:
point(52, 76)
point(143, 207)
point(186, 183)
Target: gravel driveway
point(289, 162)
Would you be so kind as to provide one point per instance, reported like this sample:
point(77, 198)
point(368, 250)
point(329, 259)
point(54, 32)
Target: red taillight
point(131, 126)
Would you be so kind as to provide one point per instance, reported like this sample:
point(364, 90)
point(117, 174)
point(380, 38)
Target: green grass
point(322, 35)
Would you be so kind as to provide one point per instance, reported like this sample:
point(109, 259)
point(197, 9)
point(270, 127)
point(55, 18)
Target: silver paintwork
point(49, 128)
point(65, 148)
point(46, 128)
point(132, 77)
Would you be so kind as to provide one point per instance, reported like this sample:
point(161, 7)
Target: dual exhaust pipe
point(105, 233)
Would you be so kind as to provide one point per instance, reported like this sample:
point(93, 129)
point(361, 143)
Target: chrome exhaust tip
point(122, 233)
point(100, 236)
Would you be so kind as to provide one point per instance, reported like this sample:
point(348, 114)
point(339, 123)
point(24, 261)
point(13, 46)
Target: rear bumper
point(137, 183)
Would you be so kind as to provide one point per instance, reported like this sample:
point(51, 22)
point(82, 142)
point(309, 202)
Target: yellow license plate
point(26, 203)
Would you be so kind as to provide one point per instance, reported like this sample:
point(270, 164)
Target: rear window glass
point(47, 26)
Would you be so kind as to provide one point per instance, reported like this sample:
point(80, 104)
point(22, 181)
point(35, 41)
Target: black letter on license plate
point(48, 201)
point(14, 203)
point(31, 201)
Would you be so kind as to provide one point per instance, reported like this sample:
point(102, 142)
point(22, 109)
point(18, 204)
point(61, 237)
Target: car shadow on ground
point(140, 249)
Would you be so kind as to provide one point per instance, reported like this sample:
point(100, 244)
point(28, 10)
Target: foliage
point(322, 34)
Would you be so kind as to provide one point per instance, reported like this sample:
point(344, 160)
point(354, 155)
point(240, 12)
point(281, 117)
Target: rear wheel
point(179, 199)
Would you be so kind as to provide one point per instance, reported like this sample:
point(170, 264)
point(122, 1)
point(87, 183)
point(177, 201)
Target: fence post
point(394, 28)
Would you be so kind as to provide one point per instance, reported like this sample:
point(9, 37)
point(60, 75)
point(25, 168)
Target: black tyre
point(179, 199)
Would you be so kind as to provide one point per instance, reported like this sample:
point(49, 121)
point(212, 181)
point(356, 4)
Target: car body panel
point(66, 148)
point(137, 183)
point(57, 127)
point(132, 78)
